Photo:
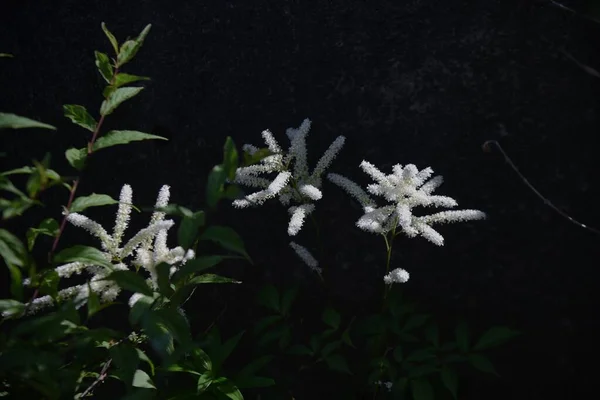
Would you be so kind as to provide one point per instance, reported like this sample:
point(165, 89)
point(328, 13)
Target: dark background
point(415, 81)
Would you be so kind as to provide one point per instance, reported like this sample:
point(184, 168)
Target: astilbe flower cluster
point(291, 181)
point(149, 246)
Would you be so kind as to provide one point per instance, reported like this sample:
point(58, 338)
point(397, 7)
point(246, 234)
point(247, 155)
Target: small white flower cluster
point(147, 256)
point(397, 275)
point(388, 385)
point(406, 188)
point(293, 183)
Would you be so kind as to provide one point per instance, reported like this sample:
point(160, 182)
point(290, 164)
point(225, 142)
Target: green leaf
point(225, 350)
point(76, 158)
point(114, 138)
point(189, 228)
point(230, 391)
point(80, 116)
point(16, 282)
point(227, 238)
point(126, 359)
point(331, 317)
point(163, 272)
point(48, 227)
point(13, 121)
point(9, 307)
point(494, 337)
point(254, 366)
point(49, 283)
point(265, 322)
point(84, 254)
point(7, 55)
point(196, 265)
point(398, 356)
point(421, 389)
point(140, 308)
point(111, 38)
point(12, 249)
point(450, 379)
point(204, 382)
point(268, 296)
point(93, 302)
point(144, 357)
point(211, 278)
point(142, 380)
point(338, 363)
point(330, 348)
point(214, 185)
point(415, 321)
point(201, 360)
point(123, 79)
point(300, 350)
point(93, 200)
point(104, 67)
point(230, 159)
point(130, 48)
point(129, 280)
point(287, 299)
point(432, 334)
point(461, 333)
point(117, 97)
point(482, 363)
point(177, 324)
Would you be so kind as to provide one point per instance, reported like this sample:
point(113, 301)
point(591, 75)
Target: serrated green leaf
point(130, 48)
point(331, 317)
point(93, 200)
point(83, 254)
point(421, 389)
point(129, 280)
point(80, 116)
point(12, 249)
point(104, 67)
point(117, 97)
point(123, 79)
point(214, 185)
point(227, 238)
point(111, 38)
point(114, 138)
point(482, 363)
point(450, 379)
point(494, 337)
point(13, 121)
point(211, 278)
point(76, 158)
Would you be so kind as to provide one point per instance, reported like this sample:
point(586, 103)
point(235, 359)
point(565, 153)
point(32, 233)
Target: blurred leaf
point(16, 282)
point(76, 158)
point(111, 38)
point(7, 55)
point(211, 278)
point(163, 272)
point(268, 296)
point(494, 337)
point(49, 283)
point(461, 333)
point(421, 389)
point(129, 280)
point(300, 350)
point(48, 227)
point(123, 79)
point(130, 48)
point(80, 116)
point(117, 97)
point(331, 317)
point(265, 322)
point(83, 254)
point(230, 391)
point(13, 121)
point(287, 299)
point(214, 185)
point(227, 238)
point(432, 334)
point(230, 159)
point(93, 302)
point(114, 138)
point(338, 363)
point(450, 379)
point(140, 308)
point(415, 321)
point(9, 307)
point(398, 356)
point(189, 229)
point(93, 200)
point(248, 382)
point(104, 67)
point(482, 363)
point(144, 357)
point(330, 348)
point(12, 249)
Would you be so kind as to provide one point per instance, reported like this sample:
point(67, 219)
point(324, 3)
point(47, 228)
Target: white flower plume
point(292, 182)
point(405, 189)
point(148, 255)
point(397, 275)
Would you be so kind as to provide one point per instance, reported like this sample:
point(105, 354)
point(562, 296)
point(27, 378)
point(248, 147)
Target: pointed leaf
point(104, 67)
point(76, 157)
point(12, 249)
point(93, 200)
point(331, 317)
point(130, 48)
point(230, 391)
point(13, 121)
point(450, 379)
point(211, 278)
point(117, 97)
point(48, 227)
point(494, 337)
point(482, 363)
point(84, 254)
point(214, 185)
point(114, 138)
point(123, 79)
point(230, 158)
point(111, 38)
point(227, 238)
point(421, 389)
point(196, 265)
point(93, 302)
point(80, 116)
point(461, 333)
point(189, 229)
point(142, 380)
